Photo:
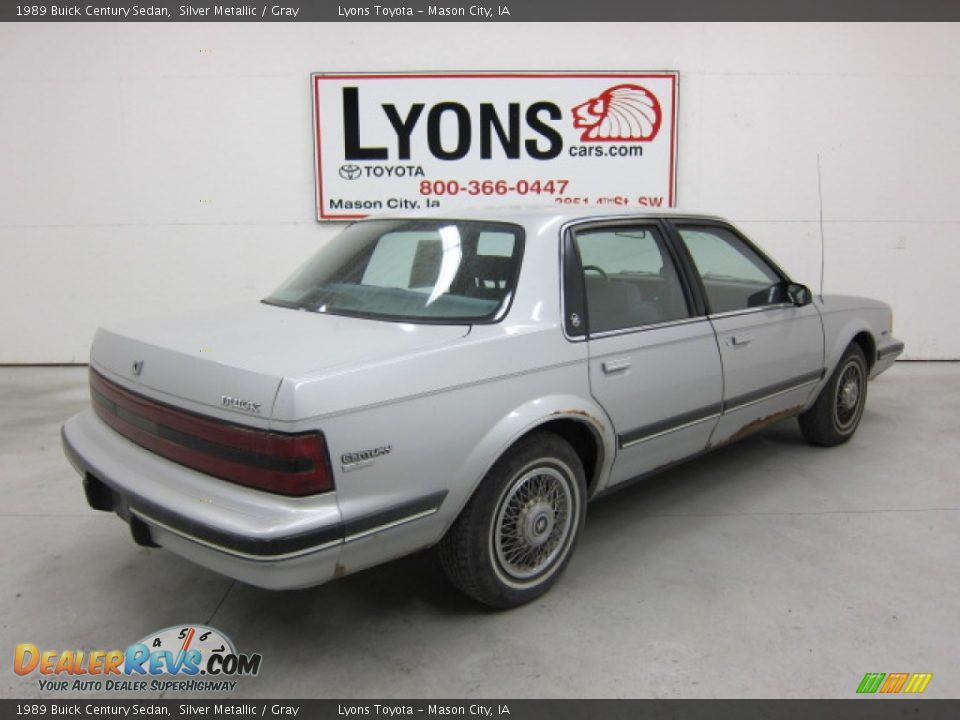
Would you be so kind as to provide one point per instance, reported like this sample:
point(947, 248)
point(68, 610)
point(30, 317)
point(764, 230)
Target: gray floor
point(767, 569)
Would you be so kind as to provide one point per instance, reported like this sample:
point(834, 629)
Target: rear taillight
point(276, 462)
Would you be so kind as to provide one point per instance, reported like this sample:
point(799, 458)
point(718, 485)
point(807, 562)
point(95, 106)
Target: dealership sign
point(406, 142)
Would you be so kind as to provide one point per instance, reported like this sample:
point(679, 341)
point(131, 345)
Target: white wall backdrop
point(155, 168)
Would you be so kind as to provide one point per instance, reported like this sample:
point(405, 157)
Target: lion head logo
point(623, 112)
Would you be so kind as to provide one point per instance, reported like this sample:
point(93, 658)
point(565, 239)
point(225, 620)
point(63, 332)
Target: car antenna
point(820, 204)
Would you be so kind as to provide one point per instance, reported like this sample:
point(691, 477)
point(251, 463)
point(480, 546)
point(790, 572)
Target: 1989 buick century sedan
point(468, 382)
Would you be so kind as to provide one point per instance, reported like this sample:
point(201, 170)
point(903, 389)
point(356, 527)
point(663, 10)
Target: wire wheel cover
point(534, 522)
point(849, 391)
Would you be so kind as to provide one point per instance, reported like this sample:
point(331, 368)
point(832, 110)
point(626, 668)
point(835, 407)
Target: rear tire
point(517, 534)
point(835, 416)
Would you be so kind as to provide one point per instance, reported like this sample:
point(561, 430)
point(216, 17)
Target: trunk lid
point(229, 362)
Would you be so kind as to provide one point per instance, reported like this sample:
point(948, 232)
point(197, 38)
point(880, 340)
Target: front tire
point(835, 416)
point(517, 534)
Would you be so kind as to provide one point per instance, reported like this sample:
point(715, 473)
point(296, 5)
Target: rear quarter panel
point(494, 390)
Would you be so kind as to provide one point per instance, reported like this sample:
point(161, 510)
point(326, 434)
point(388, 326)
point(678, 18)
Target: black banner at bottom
point(873, 708)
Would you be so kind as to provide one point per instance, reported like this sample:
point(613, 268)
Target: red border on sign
point(317, 77)
point(673, 141)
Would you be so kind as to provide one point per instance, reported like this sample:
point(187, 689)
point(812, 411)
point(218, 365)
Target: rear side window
point(629, 278)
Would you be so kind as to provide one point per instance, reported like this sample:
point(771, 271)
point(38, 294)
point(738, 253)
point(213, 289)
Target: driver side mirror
point(798, 294)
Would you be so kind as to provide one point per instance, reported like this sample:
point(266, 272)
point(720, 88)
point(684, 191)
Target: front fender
point(840, 329)
point(841, 338)
point(845, 317)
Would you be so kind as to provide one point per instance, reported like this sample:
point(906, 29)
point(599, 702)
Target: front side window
point(734, 276)
point(411, 271)
point(629, 278)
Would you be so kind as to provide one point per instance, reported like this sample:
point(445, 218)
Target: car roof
point(544, 213)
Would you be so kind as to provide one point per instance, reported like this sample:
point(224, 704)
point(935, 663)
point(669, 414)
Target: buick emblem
point(137, 367)
point(240, 404)
point(349, 172)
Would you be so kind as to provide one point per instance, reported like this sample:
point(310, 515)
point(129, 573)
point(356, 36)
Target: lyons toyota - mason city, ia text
point(477, 11)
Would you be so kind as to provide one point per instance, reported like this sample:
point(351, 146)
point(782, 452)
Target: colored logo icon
point(893, 683)
point(623, 112)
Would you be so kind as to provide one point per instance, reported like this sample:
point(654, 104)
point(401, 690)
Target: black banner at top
point(483, 11)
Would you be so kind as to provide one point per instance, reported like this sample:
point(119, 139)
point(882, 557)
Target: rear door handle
point(615, 366)
point(741, 339)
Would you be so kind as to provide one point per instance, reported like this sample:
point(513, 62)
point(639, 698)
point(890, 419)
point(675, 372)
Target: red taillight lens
point(276, 462)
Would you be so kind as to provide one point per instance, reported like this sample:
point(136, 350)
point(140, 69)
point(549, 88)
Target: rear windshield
point(440, 271)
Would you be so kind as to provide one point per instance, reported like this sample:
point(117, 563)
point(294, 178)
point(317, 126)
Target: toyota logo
point(349, 172)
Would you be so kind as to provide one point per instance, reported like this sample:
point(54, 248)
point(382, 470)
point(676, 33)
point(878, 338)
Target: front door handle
point(615, 366)
point(741, 339)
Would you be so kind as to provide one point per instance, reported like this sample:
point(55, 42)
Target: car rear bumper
point(888, 351)
point(272, 541)
point(267, 540)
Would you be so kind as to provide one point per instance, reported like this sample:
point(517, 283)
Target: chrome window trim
point(750, 311)
point(645, 328)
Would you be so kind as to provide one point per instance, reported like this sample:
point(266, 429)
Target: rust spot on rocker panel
point(339, 571)
point(761, 423)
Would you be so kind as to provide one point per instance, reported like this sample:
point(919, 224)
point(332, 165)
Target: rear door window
point(629, 277)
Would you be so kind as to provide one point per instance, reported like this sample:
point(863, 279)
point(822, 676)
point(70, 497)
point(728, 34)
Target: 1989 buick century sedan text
point(466, 382)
